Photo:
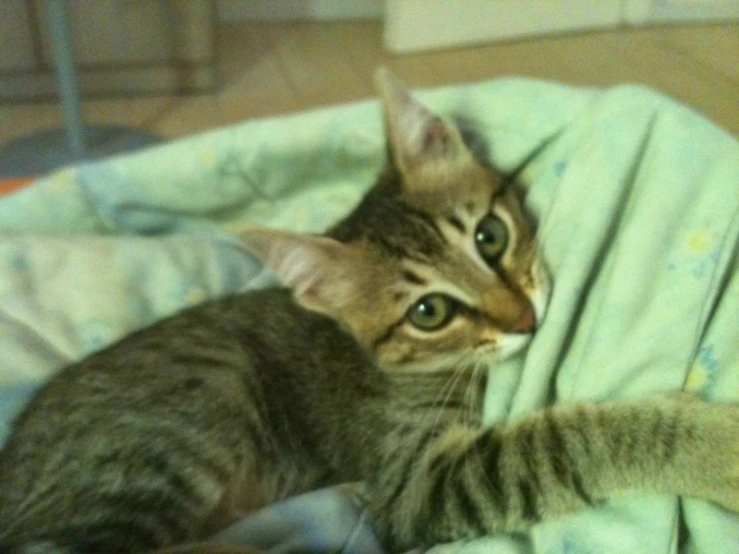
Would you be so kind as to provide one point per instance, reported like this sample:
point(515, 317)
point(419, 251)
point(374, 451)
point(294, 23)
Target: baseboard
point(232, 11)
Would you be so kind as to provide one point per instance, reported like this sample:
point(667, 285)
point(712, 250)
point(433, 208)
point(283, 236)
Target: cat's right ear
point(314, 267)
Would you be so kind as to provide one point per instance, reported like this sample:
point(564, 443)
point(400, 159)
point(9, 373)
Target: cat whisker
point(480, 370)
point(456, 375)
point(471, 408)
point(468, 362)
point(445, 391)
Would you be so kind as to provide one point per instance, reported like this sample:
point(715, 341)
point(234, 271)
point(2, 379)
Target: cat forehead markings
point(464, 185)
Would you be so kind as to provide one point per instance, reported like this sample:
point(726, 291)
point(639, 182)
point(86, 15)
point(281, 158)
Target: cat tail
point(461, 482)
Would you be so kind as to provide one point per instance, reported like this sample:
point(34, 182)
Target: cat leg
point(462, 483)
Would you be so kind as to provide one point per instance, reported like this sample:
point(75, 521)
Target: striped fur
point(180, 428)
point(460, 482)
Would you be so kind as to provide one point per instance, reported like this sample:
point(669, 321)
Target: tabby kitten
point(363, 370)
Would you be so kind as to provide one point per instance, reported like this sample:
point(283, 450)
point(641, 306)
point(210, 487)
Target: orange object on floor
point(14, 184)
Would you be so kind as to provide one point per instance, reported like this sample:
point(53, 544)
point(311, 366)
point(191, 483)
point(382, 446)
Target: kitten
point(369, 367)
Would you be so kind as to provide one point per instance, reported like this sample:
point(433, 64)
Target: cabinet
point(122, 47)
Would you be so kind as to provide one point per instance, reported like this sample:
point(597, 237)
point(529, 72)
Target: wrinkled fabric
point(637, 199)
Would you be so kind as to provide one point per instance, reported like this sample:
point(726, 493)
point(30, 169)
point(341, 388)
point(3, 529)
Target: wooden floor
point(270, 69)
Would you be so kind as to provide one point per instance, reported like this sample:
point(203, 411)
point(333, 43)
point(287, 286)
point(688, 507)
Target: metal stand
point(61, 46)
point(48, 150)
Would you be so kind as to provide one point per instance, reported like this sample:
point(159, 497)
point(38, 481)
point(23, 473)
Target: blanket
point(638, 203)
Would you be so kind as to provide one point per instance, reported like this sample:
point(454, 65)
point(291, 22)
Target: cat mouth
point(541, 292)
point(506, 346)
point(540, 302)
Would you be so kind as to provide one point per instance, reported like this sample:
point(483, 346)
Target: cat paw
point(717, 451)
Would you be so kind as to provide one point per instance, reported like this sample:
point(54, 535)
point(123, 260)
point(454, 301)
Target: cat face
point(437, 265)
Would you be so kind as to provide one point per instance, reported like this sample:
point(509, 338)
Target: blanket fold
point(638, 203)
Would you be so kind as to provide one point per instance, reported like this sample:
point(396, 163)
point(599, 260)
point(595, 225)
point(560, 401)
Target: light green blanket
point(638, 201)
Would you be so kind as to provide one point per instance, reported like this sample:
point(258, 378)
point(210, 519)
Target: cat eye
point(432, 312)
point(491, 238)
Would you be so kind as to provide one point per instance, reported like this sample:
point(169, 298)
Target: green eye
point(432, 312)
point(491, 238)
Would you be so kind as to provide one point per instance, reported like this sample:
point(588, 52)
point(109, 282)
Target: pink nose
point(526, 322)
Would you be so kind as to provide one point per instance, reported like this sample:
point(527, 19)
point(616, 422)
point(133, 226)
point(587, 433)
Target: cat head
point(437, 264)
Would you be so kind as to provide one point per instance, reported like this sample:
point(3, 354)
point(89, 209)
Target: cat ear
point(314, 267)
point(416, 135)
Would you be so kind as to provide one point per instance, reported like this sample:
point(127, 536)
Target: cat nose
point(526, 321)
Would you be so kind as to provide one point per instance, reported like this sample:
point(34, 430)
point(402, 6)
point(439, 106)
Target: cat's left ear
point(417, 137)
point(317, 269)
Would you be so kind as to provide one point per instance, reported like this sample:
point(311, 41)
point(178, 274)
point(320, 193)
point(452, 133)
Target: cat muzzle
point(526, 321)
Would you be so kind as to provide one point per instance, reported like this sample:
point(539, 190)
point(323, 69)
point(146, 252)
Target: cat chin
point(508, 346)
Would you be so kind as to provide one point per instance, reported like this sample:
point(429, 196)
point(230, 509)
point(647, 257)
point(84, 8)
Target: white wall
point(667, 11)
point(412, 25)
